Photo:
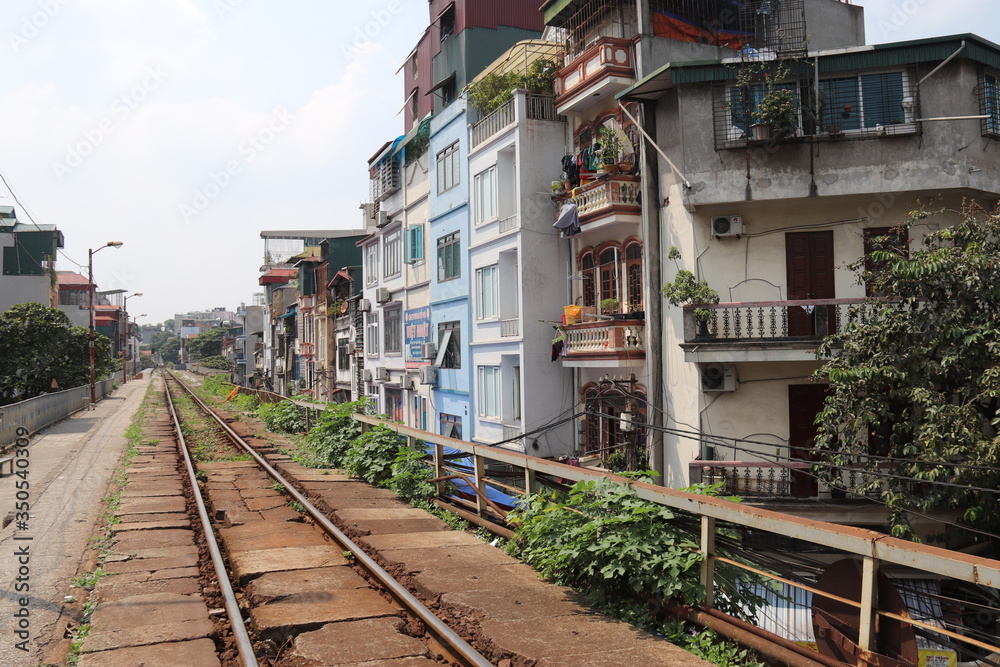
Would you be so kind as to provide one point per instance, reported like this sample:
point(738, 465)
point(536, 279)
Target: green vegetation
point(206, 344)
point(217, 361)
point(685, 289)
point(41, 352)
point(494, 90)
point(629, 556)
point(915, 383)
point(283, 417)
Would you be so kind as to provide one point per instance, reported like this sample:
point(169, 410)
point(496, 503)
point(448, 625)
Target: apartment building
point(28, 261)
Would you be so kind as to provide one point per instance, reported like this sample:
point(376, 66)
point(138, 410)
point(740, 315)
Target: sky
point(185, 127)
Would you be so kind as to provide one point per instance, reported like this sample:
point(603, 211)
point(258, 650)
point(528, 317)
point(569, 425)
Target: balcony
point(593, 78)
point(510, 328)
point(307, 349)
point(613, 199)
point(781, 480)
point(536, 107)
point(605, 343)
point(770, 330)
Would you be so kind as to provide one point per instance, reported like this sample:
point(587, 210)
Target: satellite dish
point(836, 624)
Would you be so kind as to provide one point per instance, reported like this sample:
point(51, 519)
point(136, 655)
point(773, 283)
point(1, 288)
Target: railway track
point(246, 580)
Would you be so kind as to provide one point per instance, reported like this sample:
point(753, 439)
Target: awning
point(339, 277)
point(407, 101)
point(651, 87)
point(278, 276)
point(441, 84)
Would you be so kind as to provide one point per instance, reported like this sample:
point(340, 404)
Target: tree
point(170, 351)
point(207, 343)
point(915, 376)
point(40, 352)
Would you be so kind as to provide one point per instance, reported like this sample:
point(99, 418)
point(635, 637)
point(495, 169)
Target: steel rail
point(461, 649)
point(243, 644)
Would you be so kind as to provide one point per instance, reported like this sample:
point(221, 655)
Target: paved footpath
point(70, 466)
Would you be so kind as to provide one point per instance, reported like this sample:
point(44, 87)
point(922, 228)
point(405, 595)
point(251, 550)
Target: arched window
point(633, 276)
point(609, 271)
point(589, 279)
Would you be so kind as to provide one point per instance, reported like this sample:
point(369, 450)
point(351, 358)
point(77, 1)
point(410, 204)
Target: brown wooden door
point(804, 402)
point(809, 264)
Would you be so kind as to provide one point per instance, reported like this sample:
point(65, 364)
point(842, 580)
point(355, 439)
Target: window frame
point(482, 313)
point(482, 195)
point(449, 254)
point(392, 330)
point(371, 334)
point(448, 166)
point(392, 246)
point(371, 264)
point(489, 388)
point(989, 102)
point(449, 352)
point(414, 244)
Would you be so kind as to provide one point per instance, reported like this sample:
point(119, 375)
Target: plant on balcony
point(610, 306)
point(917, 380)
point(686, 290)
point(495, 90)
point(770, 101)
point(611, 145)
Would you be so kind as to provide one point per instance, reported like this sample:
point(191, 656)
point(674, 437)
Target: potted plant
point(777, 112)
point(609, 306)
point(687, 290)
point(558, 187)
point(772, 105)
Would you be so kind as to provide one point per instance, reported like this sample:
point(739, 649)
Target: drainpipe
point(654, 306)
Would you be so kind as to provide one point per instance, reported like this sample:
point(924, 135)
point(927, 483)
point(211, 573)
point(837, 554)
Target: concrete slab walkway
point(69, 467)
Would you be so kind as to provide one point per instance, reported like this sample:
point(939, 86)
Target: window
point(420, 413)
point(448, 168)
point(485, 189)
point(609, 274)
point(393, 330)
point(516, 394)
point(451, 426)
point(343, 357)
point(448, 22)
point(393, 253)
point(371, 334)
point(742, 103)
point(449, 257)
point(449, 345)
point(394, 404)
point(989, 103)
point(866, 101)
point(489, 392)
point(414, 244)
point(633, 276)
point(487, 292)
point(589, 282)
point(371, 264)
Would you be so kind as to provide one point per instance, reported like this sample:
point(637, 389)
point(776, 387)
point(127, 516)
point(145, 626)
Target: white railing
point(608, 193)
point(510, 328)
point(509, 223)
point(541, 107)
point(493, 123)
point(605, 338)
point(511, 431)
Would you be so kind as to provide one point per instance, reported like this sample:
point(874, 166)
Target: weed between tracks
point(206, 441)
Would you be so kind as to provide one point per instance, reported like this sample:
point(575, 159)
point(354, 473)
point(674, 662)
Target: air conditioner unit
point(429, 375)
point(428, 350)
point(381, 374)
point(727, 225)
point(368, 376)
point(381, 219)
point(383, 295)
point(365, 305)
point(717, 378)
point(410, 382)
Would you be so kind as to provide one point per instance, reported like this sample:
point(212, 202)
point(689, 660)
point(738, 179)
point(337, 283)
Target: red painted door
point(809, 265)
point(804, 402)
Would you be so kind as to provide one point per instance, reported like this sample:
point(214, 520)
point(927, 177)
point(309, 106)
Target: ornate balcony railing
point(766, 479)
point(620, 339)
point(613, 195)
point(757, 321)
point(510, 328)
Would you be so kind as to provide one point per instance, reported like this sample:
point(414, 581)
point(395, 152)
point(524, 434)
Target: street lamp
point(125, 335)
point(90, 277)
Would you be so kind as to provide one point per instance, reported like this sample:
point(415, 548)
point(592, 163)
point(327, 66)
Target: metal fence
point(36, 413)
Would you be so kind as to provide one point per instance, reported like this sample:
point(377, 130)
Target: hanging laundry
point(558, 345)
point(568, 219)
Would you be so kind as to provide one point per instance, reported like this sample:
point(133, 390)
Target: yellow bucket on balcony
point(571, 314)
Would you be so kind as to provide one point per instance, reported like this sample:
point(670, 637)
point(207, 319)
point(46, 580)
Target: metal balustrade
point(779, 320)
point(510, 328)
point(36, 413)
point(537, 107)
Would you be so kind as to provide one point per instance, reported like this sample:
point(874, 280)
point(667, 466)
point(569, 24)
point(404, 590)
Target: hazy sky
point(185, 127)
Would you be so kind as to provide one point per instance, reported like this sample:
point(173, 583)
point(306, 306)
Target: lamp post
point(125, 335)
point(91, 288)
